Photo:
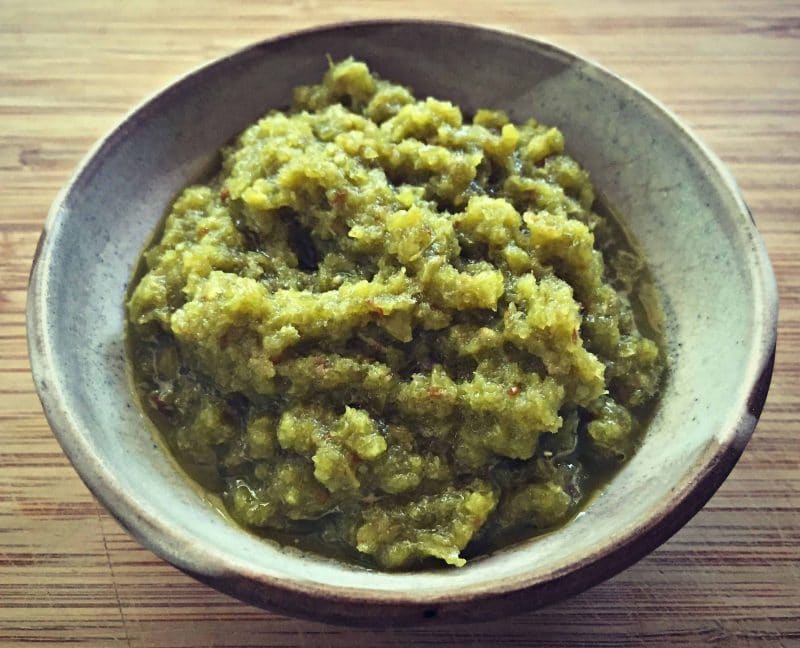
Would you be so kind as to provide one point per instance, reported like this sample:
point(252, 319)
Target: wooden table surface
point(69, 70)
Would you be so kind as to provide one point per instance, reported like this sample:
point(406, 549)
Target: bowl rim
point(347, 603)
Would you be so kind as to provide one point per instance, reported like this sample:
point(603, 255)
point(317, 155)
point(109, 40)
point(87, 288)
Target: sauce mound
point(392, 334)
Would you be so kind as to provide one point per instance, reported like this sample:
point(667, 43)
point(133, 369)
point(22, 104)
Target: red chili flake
point(160, 404)
point(202, 232)
point(339, 197)
point(514, 391)
point(321, 364)
point(434, 392)
point(224, 194)
point(574, 335)
point(375, 309)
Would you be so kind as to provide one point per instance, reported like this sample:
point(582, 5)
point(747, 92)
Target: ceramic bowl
point(676, 199)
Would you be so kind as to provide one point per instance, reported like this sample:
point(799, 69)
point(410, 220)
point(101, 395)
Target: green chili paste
point(393, 334)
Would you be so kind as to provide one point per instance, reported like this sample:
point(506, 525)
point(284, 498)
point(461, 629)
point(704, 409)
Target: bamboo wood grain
point(68, 573)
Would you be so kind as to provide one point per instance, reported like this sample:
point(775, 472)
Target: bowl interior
point(679, 206)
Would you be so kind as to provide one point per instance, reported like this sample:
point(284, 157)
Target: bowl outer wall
point(346, 604)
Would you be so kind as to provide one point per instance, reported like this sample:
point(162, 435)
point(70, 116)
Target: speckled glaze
point(678, 201)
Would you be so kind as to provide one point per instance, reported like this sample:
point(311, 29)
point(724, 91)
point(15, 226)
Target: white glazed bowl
point(676, 198)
